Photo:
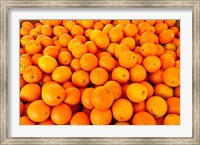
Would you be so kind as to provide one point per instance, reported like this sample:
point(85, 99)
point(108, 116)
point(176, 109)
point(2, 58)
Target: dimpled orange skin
point(102, 98)
point(136, 92)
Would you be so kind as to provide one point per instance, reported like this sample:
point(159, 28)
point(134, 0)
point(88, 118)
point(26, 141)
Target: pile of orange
point(100, 72)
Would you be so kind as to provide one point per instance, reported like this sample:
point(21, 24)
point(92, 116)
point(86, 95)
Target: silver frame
point(6, 4)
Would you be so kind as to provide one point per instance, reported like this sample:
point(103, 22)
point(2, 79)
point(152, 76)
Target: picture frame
point(4, 57)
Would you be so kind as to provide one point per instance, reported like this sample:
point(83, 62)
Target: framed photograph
point(100, 72)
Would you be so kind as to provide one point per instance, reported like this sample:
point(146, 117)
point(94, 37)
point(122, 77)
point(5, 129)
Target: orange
point(129, 41)
point(55, 22)
point(101, 117)
point(143, 27)
point(47, 122)
point(157, 106)
point(68, 24)
point(122, 123)
point(151, 22)
point(163, 91)
point(172, 53)
point(32, 47)
point(47, 63)
point(143, 118)
point(139, 58)
point(116, 34)
point(46, 41)
point(32, 74)
point(98, 76)
point(53, 94)
point(80, 78)
point(25, 120)
point(159, 27)
point(77, 30)
point(61, 74)
point(136, 92)
point(115, 87)
point(123, 22)
point(72, 96)
point(38, 111)
point(136, 22)
point(98, 26)
point(173, 104)
point(105, 22)
point(101, 53)
point(158, 21)
point(170, 23)
point(25, 39)
point(67, 85)
point(61, 114)
point(137, 107)
point(46, 30)
point(177, 64)
point(107, 28)
point(152, 64)
point(149, 87)
point(80, 118)
point(130, 30)
point(137, 39)
point(75, 64)
point(79, 50)
point(160, 50)
point(91, 47)
point(72, 43)
point(128, 59)
point(122, 110)
point(25, 30)
point(22, 81)
point(59, 30)
point(167, 60)
point(87, 23)
point(120, 75)
point(64, 58)
point(147, 37)
point(102, 98)
point(93, 34)
point(87, 33)
point(22, 108)
point(148, 49)
point(81, 38)
point(172, 119)
point(166, 36)
point(102, 40)
point(26, 56)
point(177, 92)
point(171, 77)
point(170, 46)
point(46, 78)
point(35, 57)
point(120, 48)
point(86, 98)
point(30, 92)
point(35, 32)
point(29, 24)
point(88, 62)
point(51, 51)
point(64, 39)
point(137, 73)
point(24, 63)
point(156, 77)
point(111, 48)
point(107, 62)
